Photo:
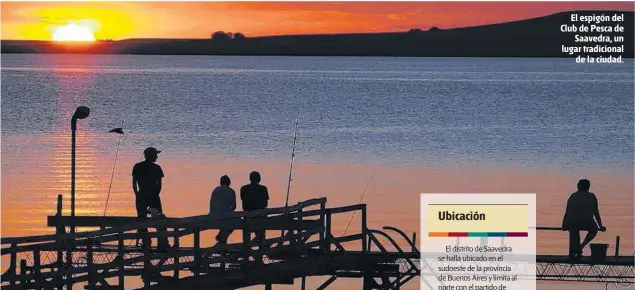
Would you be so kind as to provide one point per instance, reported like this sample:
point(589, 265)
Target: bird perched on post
point(116, 130)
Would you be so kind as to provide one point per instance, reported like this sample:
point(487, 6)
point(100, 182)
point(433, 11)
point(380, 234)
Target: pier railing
point(61, 249)
point(300, 242)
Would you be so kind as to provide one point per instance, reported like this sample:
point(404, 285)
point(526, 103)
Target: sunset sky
point(121, 20)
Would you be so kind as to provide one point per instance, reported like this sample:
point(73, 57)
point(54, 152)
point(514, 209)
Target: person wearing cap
point(146, 184)
point(221, 203)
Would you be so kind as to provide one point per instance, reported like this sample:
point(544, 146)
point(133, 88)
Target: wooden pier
point(300, 244)
point(304, 246)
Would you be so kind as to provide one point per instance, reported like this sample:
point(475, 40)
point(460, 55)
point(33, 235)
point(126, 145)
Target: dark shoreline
point(530, 38)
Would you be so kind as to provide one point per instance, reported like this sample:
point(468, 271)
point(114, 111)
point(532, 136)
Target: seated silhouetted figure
point(222, 202)
point(582, 214)
point(254, 197)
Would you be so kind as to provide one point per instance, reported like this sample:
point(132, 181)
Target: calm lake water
point(415, 125)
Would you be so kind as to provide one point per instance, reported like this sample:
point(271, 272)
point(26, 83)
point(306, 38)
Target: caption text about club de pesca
point(597, 38)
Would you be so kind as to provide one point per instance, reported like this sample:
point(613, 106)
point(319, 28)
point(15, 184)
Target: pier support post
point(89, 264)
point(147, 263)
point(297, 232)
point(327, 236)
point(324, 234)
point(365, 244)
point(246, 242)
point(59, 236)
point(69, 264)
point(23, 279)
point(197, 251)
point(36, 268)
point(369, 281)
point(59, 205)
point(617, 246)
point(176, 253)
point(13, 266)
point(121, 254)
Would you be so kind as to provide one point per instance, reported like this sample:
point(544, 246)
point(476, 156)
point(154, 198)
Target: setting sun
point(73, 32)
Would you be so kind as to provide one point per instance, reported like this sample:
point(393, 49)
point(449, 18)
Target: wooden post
point(89, 262)
point(23, 279)
point(368, 280)
point(327, 235)
point(262, 240)
point(59, 205)
point(197, 251)
point(617, 246)
point(323, 221)
point(365, 248)
point(121, 254)
point(36, 268)
point(13, 266)
point(60, 266)
point(176, 253)
point(59, 234)
point(296, 232)
point(303, 282)
point(385, 281)
point(246, 242)
point(365, 244)
point(69, 263)
point(146, 259)
point(414, 242)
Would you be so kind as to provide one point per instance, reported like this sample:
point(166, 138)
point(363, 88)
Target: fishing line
point(360, 200)
point(120, 132)
point(295, 136)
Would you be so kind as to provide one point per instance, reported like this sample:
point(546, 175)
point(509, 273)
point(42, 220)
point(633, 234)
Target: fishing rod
point(360, 200)
point(120, 132)
point(295, 134)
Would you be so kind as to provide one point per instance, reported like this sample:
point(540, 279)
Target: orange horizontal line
point(437, 234)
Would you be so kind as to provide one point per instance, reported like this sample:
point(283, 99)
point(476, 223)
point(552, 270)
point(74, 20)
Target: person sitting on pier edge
point(146, 184)
point(254, 197)
point(222, 202)
point(582, 208)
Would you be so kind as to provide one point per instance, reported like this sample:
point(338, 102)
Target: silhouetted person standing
point(582, 214)
point(222, 202)
point(146, 184)
point(254, 197)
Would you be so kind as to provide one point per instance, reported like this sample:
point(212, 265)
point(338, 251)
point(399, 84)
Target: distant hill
point(536, 37)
